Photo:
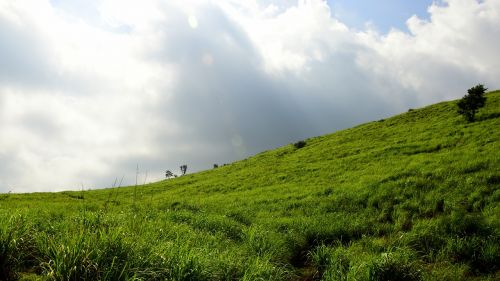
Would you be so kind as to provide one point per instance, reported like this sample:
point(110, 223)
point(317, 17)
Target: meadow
point(411, 197)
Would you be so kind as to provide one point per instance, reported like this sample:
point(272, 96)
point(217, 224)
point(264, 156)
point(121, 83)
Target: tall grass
point(412, 197)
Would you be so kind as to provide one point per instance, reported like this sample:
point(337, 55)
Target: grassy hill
point(412, 197)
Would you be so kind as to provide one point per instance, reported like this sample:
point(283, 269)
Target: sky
point(98, 91)
point(382, 15)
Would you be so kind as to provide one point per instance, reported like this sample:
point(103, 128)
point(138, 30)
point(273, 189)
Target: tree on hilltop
point(169, 174)
point(184, 169)
point(470, 103)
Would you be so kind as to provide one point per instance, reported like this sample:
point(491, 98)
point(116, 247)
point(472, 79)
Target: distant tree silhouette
point(470, 103)
point(184, 169)
point(169, 174)
point(299, 144)
point(216, 166)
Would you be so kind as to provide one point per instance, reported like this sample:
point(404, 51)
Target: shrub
point(470, 103)
point(299, 144)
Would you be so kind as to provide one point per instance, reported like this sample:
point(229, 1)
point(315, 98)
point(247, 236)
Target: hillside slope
point(412, 197)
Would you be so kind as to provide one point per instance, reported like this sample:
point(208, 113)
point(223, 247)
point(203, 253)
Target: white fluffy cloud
point(90, 89)
point(441, 57)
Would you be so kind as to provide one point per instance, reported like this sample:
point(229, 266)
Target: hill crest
point(411, 197)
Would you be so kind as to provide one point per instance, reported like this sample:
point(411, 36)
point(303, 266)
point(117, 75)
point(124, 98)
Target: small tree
point(184, 169)
point(470, 103)
point(169, 174)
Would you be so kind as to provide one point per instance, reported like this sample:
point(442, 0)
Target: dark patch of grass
point(493, 180)
point(240, 217)
point(394, 267)
point(484, 117)
point(475, 167)
point(17, 249)
point(480, 253)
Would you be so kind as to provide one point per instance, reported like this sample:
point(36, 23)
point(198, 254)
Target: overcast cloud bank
point(90, 89)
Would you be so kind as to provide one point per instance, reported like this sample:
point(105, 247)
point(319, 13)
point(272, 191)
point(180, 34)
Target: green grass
point(412, 197)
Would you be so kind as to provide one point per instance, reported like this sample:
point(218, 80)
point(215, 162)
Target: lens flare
point(193, 22)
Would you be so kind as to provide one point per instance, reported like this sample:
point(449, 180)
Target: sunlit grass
point(412, 197)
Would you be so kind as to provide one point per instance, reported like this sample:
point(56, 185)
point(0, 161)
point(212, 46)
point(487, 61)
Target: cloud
point(441, 57)
point(21, 63)
point(87, 96)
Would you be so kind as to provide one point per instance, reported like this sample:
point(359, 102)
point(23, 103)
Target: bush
point(470, 103)
point(299, 144)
